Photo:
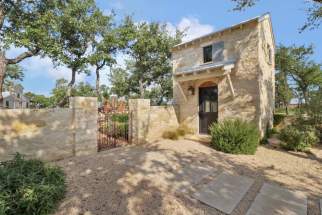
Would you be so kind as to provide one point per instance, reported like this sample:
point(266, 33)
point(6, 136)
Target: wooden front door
point(208, 108)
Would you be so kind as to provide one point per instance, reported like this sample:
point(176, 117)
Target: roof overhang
point(205, 71)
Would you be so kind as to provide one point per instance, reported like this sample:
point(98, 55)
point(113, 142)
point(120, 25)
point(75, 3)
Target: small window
point(207, 54)
point(270, 54)
point(7, 104)
point(18, 95)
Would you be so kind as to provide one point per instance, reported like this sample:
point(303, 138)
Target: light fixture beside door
point(191, 90)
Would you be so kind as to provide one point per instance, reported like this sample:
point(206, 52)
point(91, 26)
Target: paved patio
point(183, 177)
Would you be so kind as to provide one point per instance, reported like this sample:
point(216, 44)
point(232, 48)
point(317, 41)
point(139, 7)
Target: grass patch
point(30, 187)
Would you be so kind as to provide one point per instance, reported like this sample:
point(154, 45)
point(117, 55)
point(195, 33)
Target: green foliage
point(284, 93)
point(122, 118)
point(234, 136)
point(13, 74)
point(314, 11)
point(119, 79)
point(38, 101)
point(172, 135)
point(298, 139)
point(278, 118)
point(149, 67)
point(30, 187)
point(314, 107)
point(61, 88)
point(84, 89)
point(121, 129)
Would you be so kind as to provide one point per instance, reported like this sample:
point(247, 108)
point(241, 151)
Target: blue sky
point(201, 18)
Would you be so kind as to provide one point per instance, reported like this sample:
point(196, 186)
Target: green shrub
point(268, 134)
point(121, 130)
point(120, 117)
point(298, 140)
point(172, 135)
point(234, 136)
point(29, 187)
point(278, 118)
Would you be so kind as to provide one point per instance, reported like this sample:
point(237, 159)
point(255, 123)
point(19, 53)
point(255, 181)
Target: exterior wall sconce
point(191, 90)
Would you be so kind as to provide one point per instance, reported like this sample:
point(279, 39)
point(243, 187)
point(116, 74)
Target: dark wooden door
point(208, 108)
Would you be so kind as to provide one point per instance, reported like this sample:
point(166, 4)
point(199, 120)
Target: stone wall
point(50, 134)
point(242, 44)
point(252, 77)
point(149, 122)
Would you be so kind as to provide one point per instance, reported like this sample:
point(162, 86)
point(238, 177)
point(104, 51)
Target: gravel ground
point(153, 178)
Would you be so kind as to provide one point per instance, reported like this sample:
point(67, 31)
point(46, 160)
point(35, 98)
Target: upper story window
point(207, 54)
point(214, 53)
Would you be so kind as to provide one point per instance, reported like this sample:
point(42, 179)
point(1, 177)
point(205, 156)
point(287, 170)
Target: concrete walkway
point(273, 199)
point(225, 192)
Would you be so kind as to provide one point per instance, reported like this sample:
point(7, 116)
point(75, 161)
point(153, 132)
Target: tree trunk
point(98, 84)
point(286, 109)
point(3, 65)
point(71, 84)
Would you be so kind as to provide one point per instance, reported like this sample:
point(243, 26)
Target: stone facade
point(148, 123)
point(50, 134)
point(245, 90)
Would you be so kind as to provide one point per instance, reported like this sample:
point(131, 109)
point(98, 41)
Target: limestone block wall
point(240, 44)
point(148, 123)
point(266, 50)
point(49, 134)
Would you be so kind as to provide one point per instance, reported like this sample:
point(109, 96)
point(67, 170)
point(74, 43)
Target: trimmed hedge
point(235, 137)
point(29, 187)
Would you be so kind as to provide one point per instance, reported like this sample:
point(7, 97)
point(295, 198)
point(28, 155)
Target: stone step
point(225, 192)
point(273, 199)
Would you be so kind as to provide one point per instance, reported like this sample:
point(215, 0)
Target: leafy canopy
point(314, 12)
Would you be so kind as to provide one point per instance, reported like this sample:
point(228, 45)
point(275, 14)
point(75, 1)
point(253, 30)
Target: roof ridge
point(260, 18)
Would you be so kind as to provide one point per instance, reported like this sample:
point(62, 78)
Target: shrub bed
point(234, 136)
point(296, 139)
point(29, 187)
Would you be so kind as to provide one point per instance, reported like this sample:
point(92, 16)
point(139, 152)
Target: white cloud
point(192, 28)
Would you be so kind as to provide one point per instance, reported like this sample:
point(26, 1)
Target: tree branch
point(23, 56)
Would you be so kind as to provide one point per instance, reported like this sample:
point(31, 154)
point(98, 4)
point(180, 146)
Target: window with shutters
point(218, 52)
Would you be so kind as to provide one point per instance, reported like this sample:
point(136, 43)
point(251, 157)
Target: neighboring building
point(14, 98)
point(226, 74)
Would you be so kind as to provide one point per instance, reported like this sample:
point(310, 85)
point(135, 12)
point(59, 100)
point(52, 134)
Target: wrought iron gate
point(113, 130)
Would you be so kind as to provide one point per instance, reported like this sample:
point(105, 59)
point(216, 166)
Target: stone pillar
point(84, 125)
point(139, 120)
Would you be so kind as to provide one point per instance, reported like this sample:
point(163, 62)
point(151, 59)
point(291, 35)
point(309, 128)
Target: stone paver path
point(273, 199)
point(225, 192)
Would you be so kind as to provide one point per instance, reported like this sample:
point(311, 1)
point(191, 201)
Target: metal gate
point(113, 129)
